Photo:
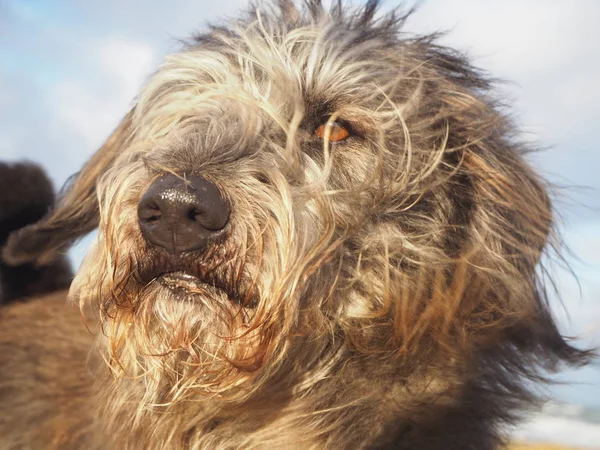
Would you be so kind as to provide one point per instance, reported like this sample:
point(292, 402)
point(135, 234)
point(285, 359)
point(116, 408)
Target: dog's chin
point(185, 287)
point(188, 288)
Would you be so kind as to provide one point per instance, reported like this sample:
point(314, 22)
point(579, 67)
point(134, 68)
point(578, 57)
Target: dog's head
point(301, 191)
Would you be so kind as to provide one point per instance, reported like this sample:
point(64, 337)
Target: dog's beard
point(178, 335)
point(187, 341)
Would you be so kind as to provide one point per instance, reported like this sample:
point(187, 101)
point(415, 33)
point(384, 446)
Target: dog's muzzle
point(182, 214)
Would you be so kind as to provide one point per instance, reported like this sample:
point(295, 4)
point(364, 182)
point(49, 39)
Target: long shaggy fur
point(380, 292)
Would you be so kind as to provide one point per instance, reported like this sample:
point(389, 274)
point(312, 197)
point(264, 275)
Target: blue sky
point(69, 69)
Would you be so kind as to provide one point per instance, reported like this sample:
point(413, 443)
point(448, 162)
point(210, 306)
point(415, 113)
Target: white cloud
point(579, 98)
point(7, 148)
point(90, 109)
point(560, 430)
point(548, 47)
point(127, 62)
point(79, 111)
point(517, 36)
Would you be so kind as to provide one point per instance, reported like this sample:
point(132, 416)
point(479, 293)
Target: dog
point(315, 231)
point(27, 196)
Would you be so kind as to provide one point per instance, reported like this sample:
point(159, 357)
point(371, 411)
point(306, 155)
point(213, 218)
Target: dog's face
point(302, 191)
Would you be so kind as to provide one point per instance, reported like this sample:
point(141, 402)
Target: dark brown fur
point(26, 195)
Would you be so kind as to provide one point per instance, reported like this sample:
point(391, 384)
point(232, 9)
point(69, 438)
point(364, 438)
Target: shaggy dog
point(315, 231)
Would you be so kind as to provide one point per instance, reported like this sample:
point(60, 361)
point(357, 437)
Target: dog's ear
point(511, 229)
point(76, 212)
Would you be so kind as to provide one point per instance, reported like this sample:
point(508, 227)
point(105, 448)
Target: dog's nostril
point(182, 214)
point(152, 218)
point(149, 213)
point(213, 220)
point(195, 214)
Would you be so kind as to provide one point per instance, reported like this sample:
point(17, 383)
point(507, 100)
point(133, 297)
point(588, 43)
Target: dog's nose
point(182, 214)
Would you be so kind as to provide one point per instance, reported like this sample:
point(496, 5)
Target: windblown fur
point(379, 292)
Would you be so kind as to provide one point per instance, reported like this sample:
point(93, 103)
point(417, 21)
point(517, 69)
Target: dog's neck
point(282, 413)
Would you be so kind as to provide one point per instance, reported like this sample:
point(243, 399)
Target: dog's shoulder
point(45, 385)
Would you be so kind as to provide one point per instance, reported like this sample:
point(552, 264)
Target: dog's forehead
point(306, 53)
point(320, 64)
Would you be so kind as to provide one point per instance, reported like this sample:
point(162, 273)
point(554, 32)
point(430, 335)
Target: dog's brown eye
point(338, 131)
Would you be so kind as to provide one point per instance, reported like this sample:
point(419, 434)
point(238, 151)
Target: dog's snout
point(182, 214)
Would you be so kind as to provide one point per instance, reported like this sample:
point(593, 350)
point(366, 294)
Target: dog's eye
point(338, 131)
